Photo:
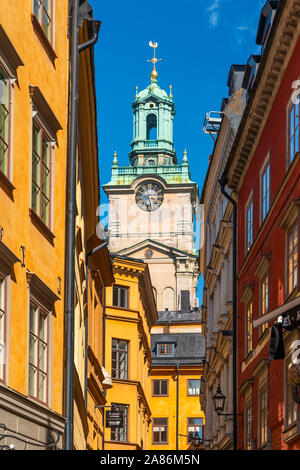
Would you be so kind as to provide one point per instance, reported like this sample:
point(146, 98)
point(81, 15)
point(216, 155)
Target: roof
point(168, 316)
point(154, 90)
point(189, 348)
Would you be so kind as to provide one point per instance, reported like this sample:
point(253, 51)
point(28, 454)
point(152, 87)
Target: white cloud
point(214, 13)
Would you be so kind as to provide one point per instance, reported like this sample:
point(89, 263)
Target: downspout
point(86, 321)
point(71, 217)
point(177, 405)
point(223, 181)
point(103, 360)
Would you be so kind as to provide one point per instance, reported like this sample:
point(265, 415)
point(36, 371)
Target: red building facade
point(264, 174)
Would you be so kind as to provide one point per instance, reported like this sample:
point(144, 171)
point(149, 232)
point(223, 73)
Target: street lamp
point(219, 401)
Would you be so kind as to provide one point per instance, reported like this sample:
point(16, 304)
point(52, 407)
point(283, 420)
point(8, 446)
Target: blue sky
point(198, 41)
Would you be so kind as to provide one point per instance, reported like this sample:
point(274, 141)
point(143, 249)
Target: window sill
point(263, 336)
point(6, 185)
point(41, 226)
point(292, 295)
point(291, 432)
point(248, 358)
point(43, 39)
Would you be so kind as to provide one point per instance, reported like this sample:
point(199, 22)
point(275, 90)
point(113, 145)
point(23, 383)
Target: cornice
point(282, 41)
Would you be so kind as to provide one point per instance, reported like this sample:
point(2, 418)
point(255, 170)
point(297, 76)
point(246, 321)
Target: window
point(160, 431)
point(264, 299)
point(120, 296)
point(293, 131)
point(41, 173)
point(194, 387)
point(120, 434)
point(119, 369)
point(195, 428)
point(38, 352)
point(151, 162)
point(249, 328)
point(265, 191)
point(291, 407)
point(292, 267)
point(248, 425)
point(5, 114)
point(2, 326)
point(160, 388)
point(166, 349)
point(249, 225)
point(43, 11)
point(263, 415)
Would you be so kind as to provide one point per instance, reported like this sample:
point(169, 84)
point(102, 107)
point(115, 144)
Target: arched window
point(151, 162)
point(169, 299)
point(151, 127)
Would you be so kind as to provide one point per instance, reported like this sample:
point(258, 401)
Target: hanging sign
point(114, 418)
point(291, 318)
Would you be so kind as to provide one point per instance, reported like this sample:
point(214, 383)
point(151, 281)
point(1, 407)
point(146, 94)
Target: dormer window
point(165, 349)
point(250, 74)
point(265, 23)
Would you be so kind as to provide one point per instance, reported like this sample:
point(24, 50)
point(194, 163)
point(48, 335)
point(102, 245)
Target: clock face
point(149, 196)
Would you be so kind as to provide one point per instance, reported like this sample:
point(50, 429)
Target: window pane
point(123, 301)
point(163, 435)
point(156, 388)
point(164, 387)
point(33, 350)
point(32, 380)
point(115, 296)
point(4, 121)
point(42, 386)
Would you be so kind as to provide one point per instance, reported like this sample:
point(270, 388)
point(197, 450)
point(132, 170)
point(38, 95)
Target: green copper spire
point(153, 114)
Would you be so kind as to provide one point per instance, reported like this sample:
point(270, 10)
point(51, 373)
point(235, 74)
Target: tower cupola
point(153, 114)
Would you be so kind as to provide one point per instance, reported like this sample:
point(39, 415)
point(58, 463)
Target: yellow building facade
point(93, 267)
point(34, 53)
point(177, 347)
point(130, 313)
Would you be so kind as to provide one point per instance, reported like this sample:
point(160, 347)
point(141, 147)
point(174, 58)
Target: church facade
point(153, 204)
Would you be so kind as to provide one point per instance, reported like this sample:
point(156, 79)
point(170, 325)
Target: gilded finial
point(153, 60)
point(170, 95)
point(115, 160)
point(136, 91)
point(185, 159)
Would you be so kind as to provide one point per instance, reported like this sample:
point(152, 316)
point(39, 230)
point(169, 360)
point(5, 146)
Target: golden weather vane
point(153, 60)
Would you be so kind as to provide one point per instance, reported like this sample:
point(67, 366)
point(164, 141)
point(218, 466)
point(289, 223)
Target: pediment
point(159, 250)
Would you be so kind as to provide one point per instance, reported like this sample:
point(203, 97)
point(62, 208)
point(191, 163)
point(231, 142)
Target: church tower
point(153, 201)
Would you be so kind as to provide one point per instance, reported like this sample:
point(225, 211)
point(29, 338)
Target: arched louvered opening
point(151, 127)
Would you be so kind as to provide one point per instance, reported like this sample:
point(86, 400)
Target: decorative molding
point(43, 38)
point(45, 110)
point(10, 54)
point(263, 266)
point(41, 291)
point(290, 215)
point(7, 259)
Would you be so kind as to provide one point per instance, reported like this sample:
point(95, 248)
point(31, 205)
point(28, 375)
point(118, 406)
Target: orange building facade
point(33, 150)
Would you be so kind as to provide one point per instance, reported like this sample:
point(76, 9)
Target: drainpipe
point(71, 215)
point(223, 181)
point(103, 360)
point(86, 319)
point(177, 404)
